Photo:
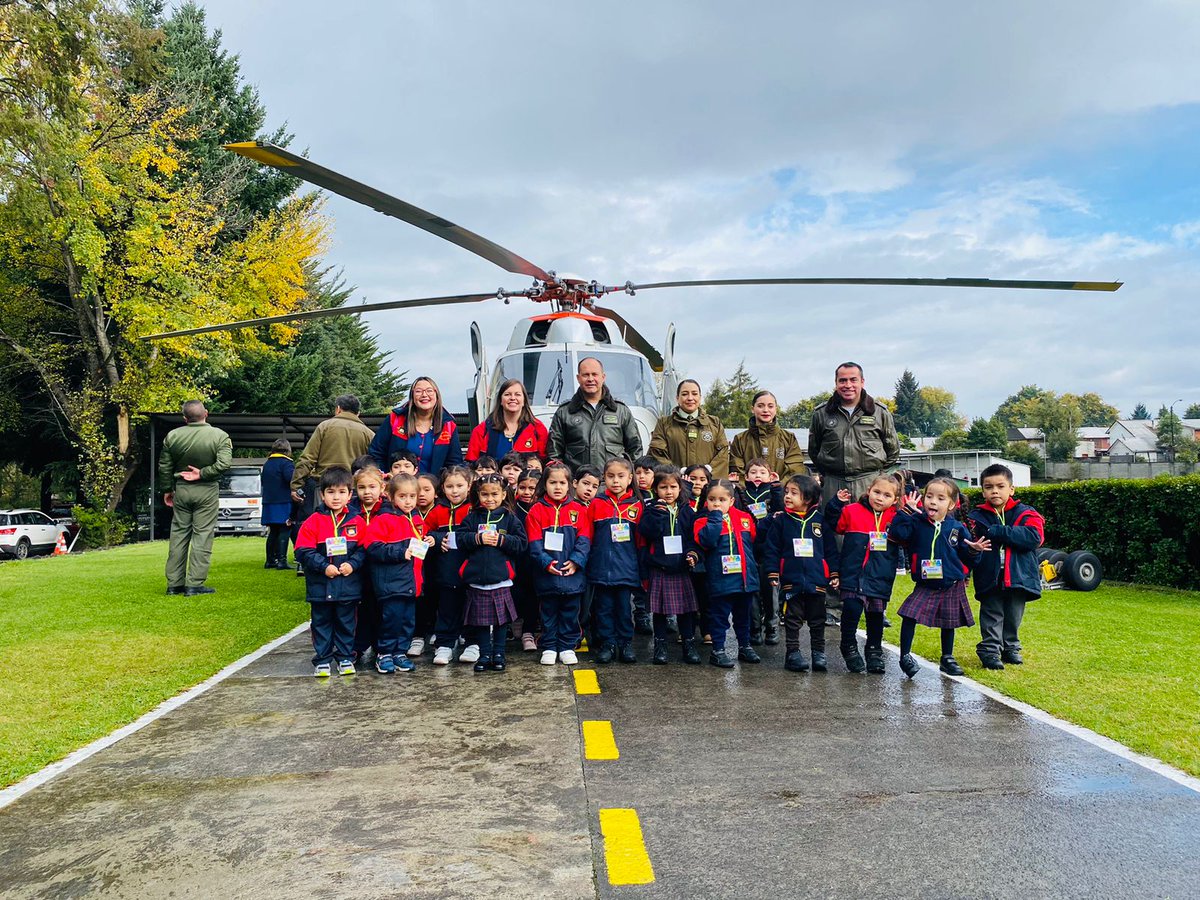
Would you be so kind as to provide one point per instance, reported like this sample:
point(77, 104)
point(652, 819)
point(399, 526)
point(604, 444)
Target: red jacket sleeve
point(477, 445)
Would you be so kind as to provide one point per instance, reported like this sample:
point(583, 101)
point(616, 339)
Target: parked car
point(24, 532)
point(241, 501)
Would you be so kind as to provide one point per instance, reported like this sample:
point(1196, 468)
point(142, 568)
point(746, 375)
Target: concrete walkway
point(753, 783)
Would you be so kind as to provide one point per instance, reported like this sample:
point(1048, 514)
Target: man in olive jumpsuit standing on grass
point(192, 460)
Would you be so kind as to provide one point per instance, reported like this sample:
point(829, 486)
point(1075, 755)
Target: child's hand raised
point(912, 504)
point(843, 495)
point(983, 545)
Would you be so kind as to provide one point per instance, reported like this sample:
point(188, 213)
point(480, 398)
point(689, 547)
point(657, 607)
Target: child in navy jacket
point(798, 553)
point(866, 567)
point(442, 567)
point(1006, 577)
point(524, 593)
point(724, 537)
point(762, 497)
point(369, 500)
point(667, 537)
point(396, 544)
point(331, 556)
point(940, 551)
point(612, 568)
point(560, 537)
point(493, 539)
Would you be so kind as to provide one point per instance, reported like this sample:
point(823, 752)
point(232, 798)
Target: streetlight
point(1176, 427)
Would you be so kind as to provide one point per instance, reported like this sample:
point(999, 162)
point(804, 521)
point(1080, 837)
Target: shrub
point(101, 528)
point(1145, 531)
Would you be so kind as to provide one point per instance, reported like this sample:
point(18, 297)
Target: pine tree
point(732, 401)
point(908, 412)
point(1192, 412)
point(1140, 413)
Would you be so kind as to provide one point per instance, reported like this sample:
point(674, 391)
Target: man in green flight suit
point(192, 460)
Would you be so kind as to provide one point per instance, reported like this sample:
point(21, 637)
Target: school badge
point(351, 531)
point(574, 516)
point(954, 539)
point(817, 529)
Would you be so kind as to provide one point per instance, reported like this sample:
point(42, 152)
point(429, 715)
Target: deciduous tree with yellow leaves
point(104, 238)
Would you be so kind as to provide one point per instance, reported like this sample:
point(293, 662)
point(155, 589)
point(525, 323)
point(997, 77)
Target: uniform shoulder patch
point(954, 538)
point(817, 529)
point(706, 436)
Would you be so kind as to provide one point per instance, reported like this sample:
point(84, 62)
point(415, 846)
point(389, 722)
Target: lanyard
point(729, 522)
point(366, 514)
point(673, 514)
point(487, 516)
point(617, 509)
point(453, 510)
point(937, 533)
point(336, 523)
point(413, 525)
point(878, 520)
point(557, 512)
point(803, 520)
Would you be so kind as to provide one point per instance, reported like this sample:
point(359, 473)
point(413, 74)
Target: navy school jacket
point(715, 536)
point(799, 574)
point(614, 563)
point(917, 533)
point(762, 501)
point(313, 556)
point(1012, 563)
point(386, 542)
point(655, 525)
point(442, 566)
point(861, 569)
point(569, 519)
point(490, 565)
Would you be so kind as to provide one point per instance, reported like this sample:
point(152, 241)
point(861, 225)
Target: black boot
point(485, 663)
point(642, 624)
point(818, 661)
point(854, 660)
point(690, 656)
point(756, 638)
point(721, 659)
point(748, 654)
point(770, 635)
point(875, 661)
point(660, 651)
point(606, 655)
point(626, 654)
point(795, 662)
point(498, 664)
point(950, 666)
point(909, 665)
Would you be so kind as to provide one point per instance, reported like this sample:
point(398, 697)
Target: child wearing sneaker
point(524, 592)
point(612, 567)
point(668, 551)
point(866, 567)
point(369, 500)
point(493, 539)
point(724, 537)
point(560, 536)
point(798, 554)
point(331, 557)
point(940, 551)
point(446, 559)
point(396, 544)
point(1006, 577)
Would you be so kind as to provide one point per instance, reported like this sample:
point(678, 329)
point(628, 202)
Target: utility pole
point(1176, 427)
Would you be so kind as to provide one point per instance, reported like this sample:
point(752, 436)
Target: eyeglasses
point(424, 392)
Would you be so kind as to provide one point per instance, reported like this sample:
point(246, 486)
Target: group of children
point(400, 563)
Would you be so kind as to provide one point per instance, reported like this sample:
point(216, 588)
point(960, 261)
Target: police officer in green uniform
point(191, 463)
point(851, 440)
point(689, 436)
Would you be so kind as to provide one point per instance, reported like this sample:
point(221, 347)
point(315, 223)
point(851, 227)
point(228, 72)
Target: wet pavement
point(749, 783)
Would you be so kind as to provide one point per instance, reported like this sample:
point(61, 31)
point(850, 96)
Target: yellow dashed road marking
point(624, 850)
point(598, 740)
point(585, 681)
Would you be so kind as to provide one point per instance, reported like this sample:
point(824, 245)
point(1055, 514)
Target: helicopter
point(545, 349)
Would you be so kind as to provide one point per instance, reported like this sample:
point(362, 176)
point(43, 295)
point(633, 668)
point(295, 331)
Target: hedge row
point(1144, 531)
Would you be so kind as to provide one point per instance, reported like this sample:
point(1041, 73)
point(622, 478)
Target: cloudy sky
point(692, 139)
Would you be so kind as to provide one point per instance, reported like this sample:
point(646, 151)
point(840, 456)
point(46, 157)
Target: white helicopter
point(544, 350)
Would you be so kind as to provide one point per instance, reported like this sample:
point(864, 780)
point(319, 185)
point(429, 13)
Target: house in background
point(1092, 442)
point(1031, 437)
point(1134, 439)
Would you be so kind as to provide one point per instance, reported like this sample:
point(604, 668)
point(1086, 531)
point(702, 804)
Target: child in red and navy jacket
point(493, 539)
point(396, 544)
point(331, 556)
point(940, 551)
point(666, 533)
point(762, 496)
point(524, 592)
point(443, 567)
point(724, 537)
point(612, 569)
point(560, 538)
point(1006, 577)
point(866, 568)
point(799, 559)
point(369, 500)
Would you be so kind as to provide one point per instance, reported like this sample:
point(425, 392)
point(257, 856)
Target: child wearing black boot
point(669, 552)
point(940, 551)
point(797, 551)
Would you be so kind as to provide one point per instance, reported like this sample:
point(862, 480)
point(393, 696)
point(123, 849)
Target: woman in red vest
point(422, 426)
point(510, 428)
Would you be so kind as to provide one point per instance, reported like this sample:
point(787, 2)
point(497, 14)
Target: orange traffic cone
point(60, 546)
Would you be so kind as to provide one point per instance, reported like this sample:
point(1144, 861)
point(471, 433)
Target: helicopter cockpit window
point(628, 377)
point(549, 378)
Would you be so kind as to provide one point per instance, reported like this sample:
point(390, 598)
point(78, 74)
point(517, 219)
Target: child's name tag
point(731, 565)
point(672, 544)
point(802, 546)
point(931, 568)
point(418, 548)
point(758, 510)
point(620, 532)
point(451, 540)
point(553, 541)
point(489, 528)
point(335, 546)
point(879, 540)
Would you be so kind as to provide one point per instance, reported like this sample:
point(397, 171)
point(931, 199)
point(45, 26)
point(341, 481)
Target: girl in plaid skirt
point(669, 552)
point(493, 539)
point(941, 551)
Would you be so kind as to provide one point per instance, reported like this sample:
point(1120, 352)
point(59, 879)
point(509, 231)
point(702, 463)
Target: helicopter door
point(670, 377)
point(478, 402)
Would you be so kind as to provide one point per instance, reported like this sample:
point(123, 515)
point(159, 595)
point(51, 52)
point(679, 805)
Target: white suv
point(27, 531)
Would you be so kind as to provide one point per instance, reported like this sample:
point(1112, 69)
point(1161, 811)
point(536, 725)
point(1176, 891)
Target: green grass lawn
point(1120, 660)
point(91, 641)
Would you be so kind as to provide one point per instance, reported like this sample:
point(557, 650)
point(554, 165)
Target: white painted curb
point(14, 792)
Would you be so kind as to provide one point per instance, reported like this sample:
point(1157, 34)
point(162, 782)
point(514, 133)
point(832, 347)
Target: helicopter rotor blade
point(633, 337)
point(911, 282)
point(309, 171)
point(333, 311)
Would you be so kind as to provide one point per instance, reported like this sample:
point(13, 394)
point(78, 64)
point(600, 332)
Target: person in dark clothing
point(277, 503)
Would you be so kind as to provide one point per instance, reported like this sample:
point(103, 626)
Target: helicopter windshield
point(549, 377)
